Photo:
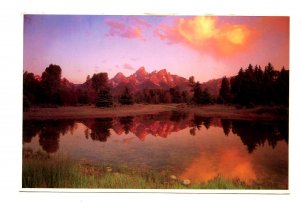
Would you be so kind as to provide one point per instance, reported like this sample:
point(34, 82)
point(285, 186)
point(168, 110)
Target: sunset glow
point(232, 162)
point(206, 47)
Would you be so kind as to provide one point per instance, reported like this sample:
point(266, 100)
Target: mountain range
point(141, 79)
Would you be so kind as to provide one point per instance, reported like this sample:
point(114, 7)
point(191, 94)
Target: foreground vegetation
point(41, 171)
point(67, 174)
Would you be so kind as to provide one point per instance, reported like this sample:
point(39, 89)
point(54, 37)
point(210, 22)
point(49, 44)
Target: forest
point(251, 86)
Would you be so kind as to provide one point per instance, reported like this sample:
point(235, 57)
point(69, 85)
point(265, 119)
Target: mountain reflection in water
point(193, 147)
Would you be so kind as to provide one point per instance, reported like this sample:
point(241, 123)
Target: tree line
point(252, 86)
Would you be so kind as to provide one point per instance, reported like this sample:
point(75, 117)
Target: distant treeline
point(252, 86)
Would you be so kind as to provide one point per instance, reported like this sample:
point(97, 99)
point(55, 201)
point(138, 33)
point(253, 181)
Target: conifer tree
point(224, 94)
point(126, 98)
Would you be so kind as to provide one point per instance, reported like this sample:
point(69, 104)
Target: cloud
point(139, 22)
point(208, 35)
point(275, 23)
point(133, 28)
point(128, 66)
point(121, 29)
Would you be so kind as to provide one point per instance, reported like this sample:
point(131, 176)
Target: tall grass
point(61, 173)
point(46, 173)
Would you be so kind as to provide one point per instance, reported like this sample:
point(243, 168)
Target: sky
point(205, 47)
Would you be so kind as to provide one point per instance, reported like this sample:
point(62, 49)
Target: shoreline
point(215, 111)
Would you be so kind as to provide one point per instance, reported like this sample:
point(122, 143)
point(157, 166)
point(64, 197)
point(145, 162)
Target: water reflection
point(197, 122)
point(251, 133)
point(48, 131)
point(191, 146)
point(30, 130)
point(255, 133)
point(226, 124)
point(127, 123)
point(100, 128)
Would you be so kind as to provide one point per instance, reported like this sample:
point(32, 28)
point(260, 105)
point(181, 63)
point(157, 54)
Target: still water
point(190, 146)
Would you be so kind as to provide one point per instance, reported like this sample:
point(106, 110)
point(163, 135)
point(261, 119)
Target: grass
point(94, 112)
point(43, 172)
point(216, 110)
point(232, 112)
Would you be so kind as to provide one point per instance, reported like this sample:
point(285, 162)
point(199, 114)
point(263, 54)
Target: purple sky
point(205, 47)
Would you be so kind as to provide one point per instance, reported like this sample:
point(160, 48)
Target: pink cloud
point(139, 22)
point(132, 29)
point(117, 28)
point(128, 66)
point(204, 34)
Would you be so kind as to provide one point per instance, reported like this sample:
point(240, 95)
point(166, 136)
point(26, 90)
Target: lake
point(190, 146)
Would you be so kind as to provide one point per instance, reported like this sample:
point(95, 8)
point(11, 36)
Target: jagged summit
point(162, 71)
point(119, 76)
point(141, 69)
point(141, 79)
point(141, 73)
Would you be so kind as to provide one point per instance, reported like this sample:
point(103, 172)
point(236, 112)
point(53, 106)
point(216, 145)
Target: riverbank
point(232, 112)
point(217, 111)
point(94, 112)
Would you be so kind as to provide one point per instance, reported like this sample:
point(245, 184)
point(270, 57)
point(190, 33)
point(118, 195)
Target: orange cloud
point(204, 34)
point(275, 24)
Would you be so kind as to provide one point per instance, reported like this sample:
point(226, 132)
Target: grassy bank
point(94, 112)
point(218, 111)
point(50, 173)
point(233, 112)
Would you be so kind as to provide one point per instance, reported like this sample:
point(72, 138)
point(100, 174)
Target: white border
point(11, 81)
point(171, 191)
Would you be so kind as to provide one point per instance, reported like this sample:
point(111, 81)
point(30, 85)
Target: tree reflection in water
point(251, 133)
point(30, 130)
point(49, 132)
point(100, 129)
point(127, 123)
point(197, 122)
point(256, 133)
point(226, 124)
point(178, 116)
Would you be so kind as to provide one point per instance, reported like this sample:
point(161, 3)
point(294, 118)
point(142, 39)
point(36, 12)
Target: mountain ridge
point(157, 79)
point(141, 79)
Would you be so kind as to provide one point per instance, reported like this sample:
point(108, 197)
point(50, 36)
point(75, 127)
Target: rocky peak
point(119, 76)
point(141, 71)
point(162, 72)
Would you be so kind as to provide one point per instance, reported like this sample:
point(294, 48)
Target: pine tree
point(205, 98)
point(50, 84)
point(197, 93)
point(104, 98)
point(224, 94)
point(100, 85)
point(126, 98)
point(176, 95)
